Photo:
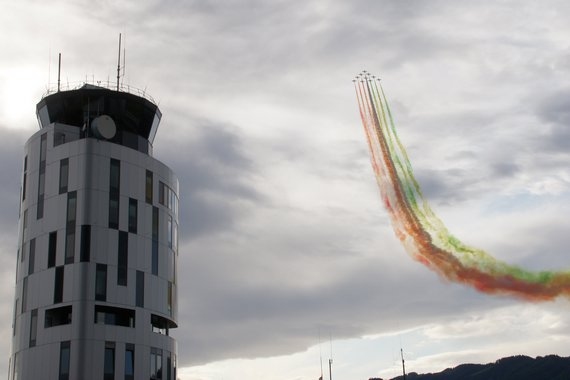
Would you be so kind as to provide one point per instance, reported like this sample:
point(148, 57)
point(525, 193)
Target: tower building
point(96, 286)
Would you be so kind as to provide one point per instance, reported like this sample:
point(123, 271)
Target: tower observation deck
point(96, 278)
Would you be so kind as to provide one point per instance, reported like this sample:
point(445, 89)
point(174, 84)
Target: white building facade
point(96, 282)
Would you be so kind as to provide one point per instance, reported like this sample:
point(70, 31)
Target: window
point(52, 249)
point(148, 187)
point(114, 191)
point(170, 231)
point(129, 361)
point(109, 365)
point(101, 282)
point(155, 363)
point(160, 325)
point(155, 240)
point(58, 316)
point(168, 366)
point(63, 175)
point(24, 228)
point(33, 327)
point(32, 256)
point(64, 356)
point(133, 215)
point(24, 182)
point(42, 178)
point(85, 248)
point(115, 316)
point(24, 294)
point(70, 227)
point(169, 298)
point(15, 320)
point(58, 285)
point(123, 258)
point(140, 289)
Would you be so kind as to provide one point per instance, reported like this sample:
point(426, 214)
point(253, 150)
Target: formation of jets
point(365, 76)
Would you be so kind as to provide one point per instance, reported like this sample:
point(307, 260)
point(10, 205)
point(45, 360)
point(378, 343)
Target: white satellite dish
point(104, 127)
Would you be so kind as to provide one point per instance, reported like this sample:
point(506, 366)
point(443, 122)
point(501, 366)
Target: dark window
point(116, 316)
point(170, 232)
point(155, 363)
point(58, 284)
point(58, 316)
point(155, 240)
point(42, 176)
point(63, 175)
point(52, 249)
point(160, 325)
point(70, 227)
point(64, 360)
point(174, 366)
point(32, 256)
point(129, 361)
point(109, 365)
point(101, 283)
point(133, 206)
point(169, 298)
point(33, 327)
point(123, 258)
point(24, 294)
point(148, 187)
point(24, 228)
point(168, 367)
point(140, 289)
point(15, 320)
point(24, 183)
point(162, 192)
point(114, 191)
point(85, 248)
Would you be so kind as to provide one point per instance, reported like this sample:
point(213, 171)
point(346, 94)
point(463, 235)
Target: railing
point(109, 85)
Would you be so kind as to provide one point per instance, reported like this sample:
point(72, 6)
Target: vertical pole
point(330, 369)
point(58, 72)
point(119, 63)
point(403, 366)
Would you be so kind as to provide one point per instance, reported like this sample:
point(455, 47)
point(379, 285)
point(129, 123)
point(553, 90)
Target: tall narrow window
point(114, 191)
point(133, 211)
point(155, 363)
point(129, 361)
point(64, 360)
point(169, 298)
point(170, 231)
point(85, 248)
point(33, 327)
point(52, 249)
point(24, 294)
point(168, 366)
point(148, 187)
point(140, 289)
point(162, 193)
point(63, 175)
point(24, 229)
point(155, 240)
point(109, 365)
point(70, 227)
point(32, 258)
point(15, 320)
point(123, 258)
point(101, 282)
point(58, 284)
point(24, 182)
point(42, 176)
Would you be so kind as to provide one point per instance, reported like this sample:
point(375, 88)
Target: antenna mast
point(403, 366)
point(58, 72)
point(330, 361)
point(119, 63)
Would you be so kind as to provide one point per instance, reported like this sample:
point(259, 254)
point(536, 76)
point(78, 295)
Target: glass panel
point(64, 356)
point(129, 362)
point(85, 249)
point(101, 283)
point(52, 249)
point(133, 215)
point(140, 289)
point(148, 187)
point(63, 175)
point(123, 258)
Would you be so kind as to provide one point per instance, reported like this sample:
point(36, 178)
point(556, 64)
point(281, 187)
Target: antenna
point(119, 63)
point(58, 72)
point(403, 366)
point(321, 355)
point(124, 57)
point(330, 360)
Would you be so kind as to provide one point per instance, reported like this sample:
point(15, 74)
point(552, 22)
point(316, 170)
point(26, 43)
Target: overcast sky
point(283, 235)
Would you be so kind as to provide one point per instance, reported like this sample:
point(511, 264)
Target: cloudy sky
point(284, 241)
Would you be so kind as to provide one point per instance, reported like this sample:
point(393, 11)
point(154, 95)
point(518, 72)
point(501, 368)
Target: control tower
point(96, 278)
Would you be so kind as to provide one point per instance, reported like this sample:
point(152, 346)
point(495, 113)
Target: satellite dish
point(104, 127)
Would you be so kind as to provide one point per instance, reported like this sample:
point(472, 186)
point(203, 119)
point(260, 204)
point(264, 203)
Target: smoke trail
point(422, 233)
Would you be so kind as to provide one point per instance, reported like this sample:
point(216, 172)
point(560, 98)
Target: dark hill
point(551, 367)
